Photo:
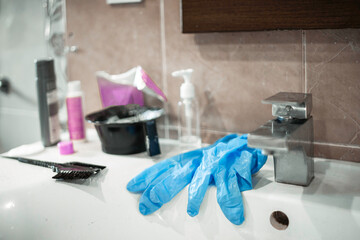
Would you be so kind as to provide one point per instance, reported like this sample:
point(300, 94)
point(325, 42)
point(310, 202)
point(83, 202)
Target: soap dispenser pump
point(188, 110)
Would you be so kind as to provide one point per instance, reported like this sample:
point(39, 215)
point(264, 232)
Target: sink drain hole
point(279, 220)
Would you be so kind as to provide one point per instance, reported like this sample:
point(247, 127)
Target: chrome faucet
point(289, 137)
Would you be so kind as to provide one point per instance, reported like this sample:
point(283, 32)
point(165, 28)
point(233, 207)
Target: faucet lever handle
point(290, 105)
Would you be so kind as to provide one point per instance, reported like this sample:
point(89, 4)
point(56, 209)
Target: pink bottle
point(75, 112)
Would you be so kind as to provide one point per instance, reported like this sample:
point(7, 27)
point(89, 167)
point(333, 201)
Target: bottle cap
point(74, 86)
point(45, 69)
point(187, 89)
point(65, 147)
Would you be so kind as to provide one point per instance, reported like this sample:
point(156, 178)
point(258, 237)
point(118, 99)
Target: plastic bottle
point(74, 106)
point(47, 102)
point(188, 110)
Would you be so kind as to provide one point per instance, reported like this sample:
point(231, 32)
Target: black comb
point(65, 171)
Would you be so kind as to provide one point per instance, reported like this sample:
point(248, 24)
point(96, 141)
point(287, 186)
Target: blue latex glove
point(177, 170)
point(228, 161)
point(230, 166)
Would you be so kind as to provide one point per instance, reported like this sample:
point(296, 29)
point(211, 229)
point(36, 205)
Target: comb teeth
point(69, 174)
point(74, 170)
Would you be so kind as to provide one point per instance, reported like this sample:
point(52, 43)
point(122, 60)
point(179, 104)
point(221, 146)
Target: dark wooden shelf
point(257, 15)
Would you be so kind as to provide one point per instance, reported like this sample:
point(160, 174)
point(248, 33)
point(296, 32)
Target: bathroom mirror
point(257, 15)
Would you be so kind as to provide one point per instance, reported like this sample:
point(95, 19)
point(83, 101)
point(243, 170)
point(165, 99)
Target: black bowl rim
point(96, 122)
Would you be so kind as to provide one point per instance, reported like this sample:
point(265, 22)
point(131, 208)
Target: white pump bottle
point(188, 110)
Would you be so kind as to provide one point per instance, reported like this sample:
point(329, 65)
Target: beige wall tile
point(333, 68)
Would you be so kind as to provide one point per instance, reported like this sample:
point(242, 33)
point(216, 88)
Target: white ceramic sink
point(34, 206)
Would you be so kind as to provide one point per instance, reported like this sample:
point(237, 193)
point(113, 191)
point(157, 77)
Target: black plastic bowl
point(120, 138)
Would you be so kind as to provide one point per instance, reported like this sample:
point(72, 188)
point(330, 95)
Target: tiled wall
point(233, 71)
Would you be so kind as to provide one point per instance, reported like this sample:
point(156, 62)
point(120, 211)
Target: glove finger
point(259, 159)
point(167, 188)
point(249, 162)
point(229, 197)
point(146, 206)
point(144, 179)
point(197, 190)
point(242, 165)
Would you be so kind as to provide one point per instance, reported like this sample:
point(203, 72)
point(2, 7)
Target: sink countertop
point(33, 204)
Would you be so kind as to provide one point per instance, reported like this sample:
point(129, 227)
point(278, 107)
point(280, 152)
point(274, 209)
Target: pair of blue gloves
point(229, 163)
